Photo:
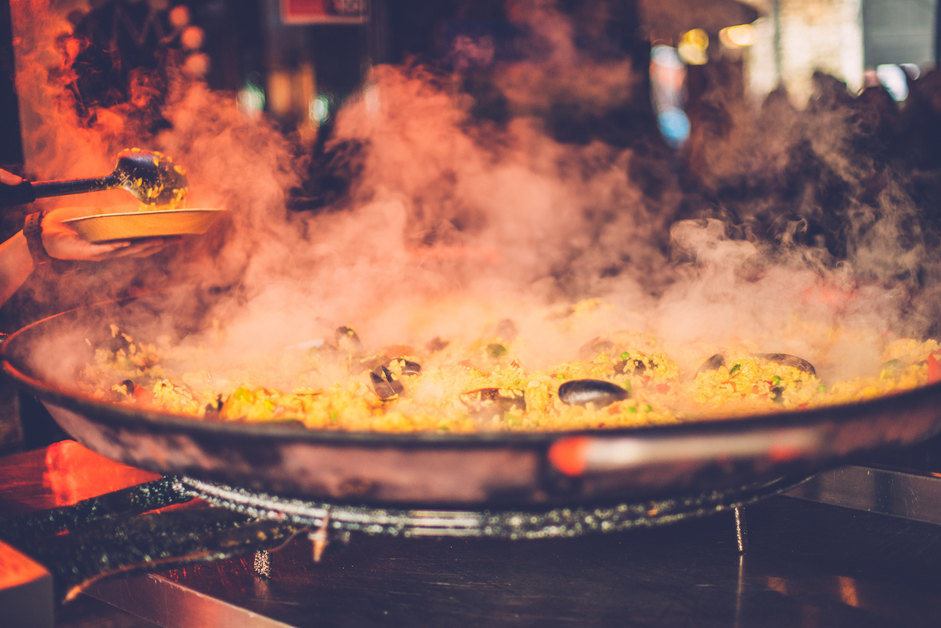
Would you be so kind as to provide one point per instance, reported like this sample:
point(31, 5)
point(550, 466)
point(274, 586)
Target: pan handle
point(29, 191)
point(18, 194)
point(580, 455)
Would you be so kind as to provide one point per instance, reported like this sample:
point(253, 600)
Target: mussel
point(712, 363)
point(506, 329)
point(347, 339)
point(784, 359)
point(385, 385)
point(119, 340)
point(214, 409)
point(404, 366)
point(596, 346)
point(581, 392)
point(636, 363)
point(493, 401)
point(124, 391)
point(384, 380)
point(345, 349)
point(393, 357)
point(436, 344)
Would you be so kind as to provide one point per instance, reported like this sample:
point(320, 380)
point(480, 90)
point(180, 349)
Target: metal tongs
point(150, 176)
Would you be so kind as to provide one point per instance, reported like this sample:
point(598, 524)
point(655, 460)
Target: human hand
point(8, 178)
point(63, 242)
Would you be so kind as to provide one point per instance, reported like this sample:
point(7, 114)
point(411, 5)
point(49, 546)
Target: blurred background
point(296, 61)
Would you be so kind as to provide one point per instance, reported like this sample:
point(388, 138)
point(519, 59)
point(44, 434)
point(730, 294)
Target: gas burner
point(532, 523)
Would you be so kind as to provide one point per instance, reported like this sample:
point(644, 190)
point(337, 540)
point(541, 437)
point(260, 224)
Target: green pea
point(496, 350)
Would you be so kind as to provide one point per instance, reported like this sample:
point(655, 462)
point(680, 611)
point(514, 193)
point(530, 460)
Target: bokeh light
point(692, 47)
point(739, 36)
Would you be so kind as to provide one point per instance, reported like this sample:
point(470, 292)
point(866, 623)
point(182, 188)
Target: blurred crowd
point(844, 162)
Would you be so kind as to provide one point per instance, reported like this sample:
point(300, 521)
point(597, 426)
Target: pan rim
point(129, 416)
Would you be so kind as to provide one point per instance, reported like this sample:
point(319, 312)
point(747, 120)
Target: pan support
point(175, 521)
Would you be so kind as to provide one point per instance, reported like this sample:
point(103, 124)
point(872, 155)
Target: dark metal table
point(805, 564)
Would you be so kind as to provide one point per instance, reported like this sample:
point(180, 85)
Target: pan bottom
point(570, 521)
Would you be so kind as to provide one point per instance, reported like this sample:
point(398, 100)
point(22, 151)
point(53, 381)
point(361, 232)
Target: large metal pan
point(492, 469)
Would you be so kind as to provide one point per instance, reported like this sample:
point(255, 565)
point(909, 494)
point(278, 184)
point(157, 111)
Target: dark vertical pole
point(11, 143)
point(937, 33)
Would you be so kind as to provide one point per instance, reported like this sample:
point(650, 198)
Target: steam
point(454, 222)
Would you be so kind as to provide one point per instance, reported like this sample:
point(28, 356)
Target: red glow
point(934, 367)
point(832, 295)
point(568, 455)
point(74, 473)
point(780, 453)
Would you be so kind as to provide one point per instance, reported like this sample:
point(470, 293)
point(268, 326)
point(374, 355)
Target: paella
point(486, 383)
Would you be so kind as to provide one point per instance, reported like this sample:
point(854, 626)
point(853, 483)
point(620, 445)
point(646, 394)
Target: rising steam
point(454, 222)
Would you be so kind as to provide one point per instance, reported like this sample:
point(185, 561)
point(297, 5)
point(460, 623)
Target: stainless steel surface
point(25, 590)
point(907, 494)
point(172, 605)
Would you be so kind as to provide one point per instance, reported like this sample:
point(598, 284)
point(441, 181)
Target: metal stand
point(741, 529)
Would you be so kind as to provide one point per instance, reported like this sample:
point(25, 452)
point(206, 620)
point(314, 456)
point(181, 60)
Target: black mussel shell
point(215, 408)
point(635, 366)
point(580, 392)
point(786, 359)
point(595, 346)
point(347, 339)
point(386, 386)
point(436, 344)
point(118, 341)
point(407, 367)
point(507, 330)
point(127, 388)
point(712, 363)
point(493, 400)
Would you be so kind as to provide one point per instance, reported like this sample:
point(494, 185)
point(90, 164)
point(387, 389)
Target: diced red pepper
point(663, 388)
point(934, 367)
point(142, 395)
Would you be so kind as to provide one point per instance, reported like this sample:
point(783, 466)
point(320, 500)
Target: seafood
point(384, 378)
point(582, 392)
point(485, 383)
point(385, 385)
point(488, 402)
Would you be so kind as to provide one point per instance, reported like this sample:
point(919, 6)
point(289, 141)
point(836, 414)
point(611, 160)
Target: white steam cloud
point(453, 223)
